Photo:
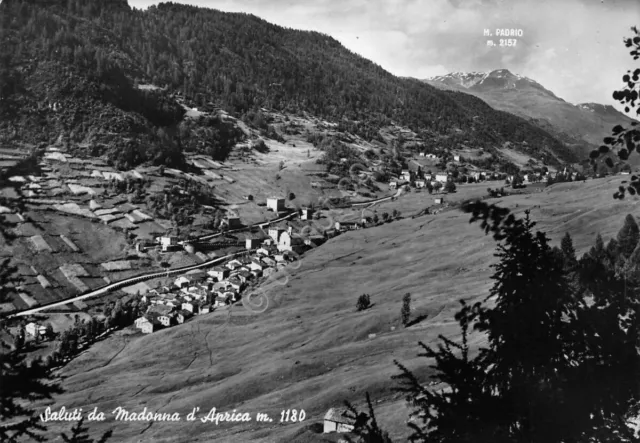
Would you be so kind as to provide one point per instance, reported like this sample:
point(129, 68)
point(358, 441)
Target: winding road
point(133, 280)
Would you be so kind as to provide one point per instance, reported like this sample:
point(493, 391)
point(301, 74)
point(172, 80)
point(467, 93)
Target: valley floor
point(311, 350)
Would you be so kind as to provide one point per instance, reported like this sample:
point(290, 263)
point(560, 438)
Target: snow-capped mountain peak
point(483, 81)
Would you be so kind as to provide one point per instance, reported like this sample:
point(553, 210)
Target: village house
point(219, 286)
point(330, 233)
point(233, 222)
point(335, 420)
point(256, 265)
point(439, 200)
point(422, 154)
point(171, 302)
point(219, 273)
point(168, 243)
point(275, 233)
point(263, 251)
point(456, 158)
point(290, 242)
point(188, 306)
point(35, 330)
point(232, 296)
point(204, 309)
point(406, 175)
point(166, 320)
point(158, 310)
point(219, 301)
point(253, 243)
point(245, 276)
point(183, 281)
point(194, 292)
point(235, 283)
point(256, 273)
point(275, 204)
point(145, 325)
point(183, 316)
point(393, 184)
point(420, 184)
point(431, 156)
point(197, 275)
point(245, 260)
point(442, 177)
point(233, 264)
point(269, 261)
point(307, 214)
point(347, 226)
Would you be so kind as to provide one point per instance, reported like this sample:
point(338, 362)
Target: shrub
point(364, 302)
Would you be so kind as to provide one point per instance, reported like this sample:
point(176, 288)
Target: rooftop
point(337, 415)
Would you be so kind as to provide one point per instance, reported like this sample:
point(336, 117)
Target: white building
point(219, 273)
point(289, 242)
point(34, 329)
point(442, 177)
point(182, 281)
point(307, 213)
point(275, 233)
point(167, 242)
point(456, 158)
point(336, 421)
point(144, 325)
point(276, 204)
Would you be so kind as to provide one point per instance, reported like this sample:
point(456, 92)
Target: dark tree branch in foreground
point(627, 139)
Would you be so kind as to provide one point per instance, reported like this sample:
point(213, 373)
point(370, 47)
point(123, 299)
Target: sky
point(572, 47)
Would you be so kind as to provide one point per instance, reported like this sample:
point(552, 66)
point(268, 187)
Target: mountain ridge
point(582, 122)
point(237, 62)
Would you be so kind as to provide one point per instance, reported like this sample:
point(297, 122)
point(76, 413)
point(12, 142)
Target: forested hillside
point(75, 68)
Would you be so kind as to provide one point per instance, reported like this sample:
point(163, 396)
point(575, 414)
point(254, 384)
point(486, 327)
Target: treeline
point(182, 202)
point(85, 332)
point(242, 63)
point(561, 357)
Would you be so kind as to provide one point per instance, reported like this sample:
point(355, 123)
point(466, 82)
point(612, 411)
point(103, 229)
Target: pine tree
point(628, 236)
point(568, 252)
point(612, 252)
point(366, 425)
point(79, 434)
point(597, 251)
point(405, 312)
point(548, 372)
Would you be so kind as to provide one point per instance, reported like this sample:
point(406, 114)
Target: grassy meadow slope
point(310, 350)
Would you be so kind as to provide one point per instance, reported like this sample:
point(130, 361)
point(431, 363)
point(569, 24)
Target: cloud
point(580, 40)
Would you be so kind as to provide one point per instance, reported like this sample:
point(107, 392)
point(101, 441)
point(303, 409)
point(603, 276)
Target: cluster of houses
point(199, 292)
point(414, 174)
